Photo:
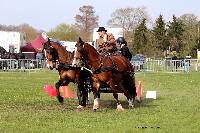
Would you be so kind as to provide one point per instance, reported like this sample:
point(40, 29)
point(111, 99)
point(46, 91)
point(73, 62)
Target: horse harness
point(101, 67)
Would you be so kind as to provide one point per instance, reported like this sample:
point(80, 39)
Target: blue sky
point(47, 14)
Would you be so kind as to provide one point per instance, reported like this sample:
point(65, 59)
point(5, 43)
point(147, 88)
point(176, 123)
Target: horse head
point(84, 53)
point(50, 54)
point(55, 53)
point(78, 52)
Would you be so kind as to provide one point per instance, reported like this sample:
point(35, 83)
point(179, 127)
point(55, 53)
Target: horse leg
point(60, 98)
point(96, 99)
point(95, 90)
point(82, 94)
point(119, 105)
point(126, 93)
point(112, 85)
point(130, 87)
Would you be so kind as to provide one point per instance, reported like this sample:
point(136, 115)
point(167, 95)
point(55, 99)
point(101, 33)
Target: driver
point(106, 41)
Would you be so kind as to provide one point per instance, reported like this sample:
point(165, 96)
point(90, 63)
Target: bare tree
point(189, 19)
point(86, 21)
point(127, 18)
point(190, 35)
point(9, 28)
point(30, 32)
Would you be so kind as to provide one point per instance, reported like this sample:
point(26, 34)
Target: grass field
point(24, 107)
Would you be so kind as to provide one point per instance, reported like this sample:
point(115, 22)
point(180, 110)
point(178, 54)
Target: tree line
point(158, 39)
point(179, 37)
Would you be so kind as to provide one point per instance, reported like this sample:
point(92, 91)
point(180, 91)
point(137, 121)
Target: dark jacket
point(125, 52)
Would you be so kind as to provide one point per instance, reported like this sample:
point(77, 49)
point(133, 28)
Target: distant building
point(117, 32)
point(70, 46)
point(12, 41)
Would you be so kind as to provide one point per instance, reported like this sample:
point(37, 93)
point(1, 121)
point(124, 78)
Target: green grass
point(24, 107)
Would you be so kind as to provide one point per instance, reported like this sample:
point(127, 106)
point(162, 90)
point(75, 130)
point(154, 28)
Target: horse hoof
point(138, 99)
point(120, 108)
point(131, 106)
point(60, 99)
point(95, 108)
point(79, 109)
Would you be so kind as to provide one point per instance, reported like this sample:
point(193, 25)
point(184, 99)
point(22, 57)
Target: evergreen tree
point(175, 33)
point(140, 38)
point(159, 32)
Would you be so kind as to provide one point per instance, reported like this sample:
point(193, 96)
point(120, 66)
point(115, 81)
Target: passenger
point(124, 50)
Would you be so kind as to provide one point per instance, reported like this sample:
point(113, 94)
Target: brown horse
point(57, 54)
point(114, 70)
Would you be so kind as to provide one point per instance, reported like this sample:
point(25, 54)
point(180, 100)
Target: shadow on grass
point(71, 104)
point(111, 104)
point(145, 103)
point(41, 106)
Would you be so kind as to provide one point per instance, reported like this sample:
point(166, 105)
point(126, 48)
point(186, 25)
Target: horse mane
point(70, 55)
point(2, 50)
point(92, 50)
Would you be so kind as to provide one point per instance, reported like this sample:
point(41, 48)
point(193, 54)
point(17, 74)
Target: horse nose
point(50, 67)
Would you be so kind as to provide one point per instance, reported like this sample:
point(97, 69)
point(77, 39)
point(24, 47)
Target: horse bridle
point(82, 51)
point(52, 51)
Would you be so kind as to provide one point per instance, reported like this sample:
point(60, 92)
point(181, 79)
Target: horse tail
point(129, 84)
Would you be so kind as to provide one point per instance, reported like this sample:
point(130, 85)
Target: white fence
point(185, 65)
point(21, 65)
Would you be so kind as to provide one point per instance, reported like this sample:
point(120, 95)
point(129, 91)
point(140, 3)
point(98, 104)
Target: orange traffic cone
point(139, 91)
point(66, 92)
point(49, 89)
